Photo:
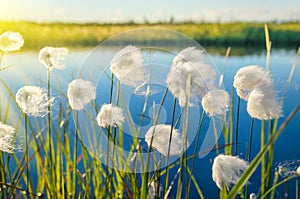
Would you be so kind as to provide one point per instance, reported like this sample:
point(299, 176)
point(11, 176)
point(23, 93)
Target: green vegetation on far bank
point(38, 35)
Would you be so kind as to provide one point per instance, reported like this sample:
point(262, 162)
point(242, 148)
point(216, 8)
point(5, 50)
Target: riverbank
point(38, 35)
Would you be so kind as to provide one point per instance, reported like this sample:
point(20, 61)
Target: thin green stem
point(145, 176)
point(268, 47)
point(200, 194)
point(26, 150)
point(274, 184)
point(111, 88)
point(270, 155)
point(75, 155)
point(285, 181)
point(157, 184)
point(106, 185)
point(169, 147)
point(183, 159)
point(237, 126)
point(263, 165)
point(231, 123)
point(250, 139)
point(107, 179)
point(180, 179)
point(286, 194)
point(250, 148)
point(195, 151)
point(215, 135)
point(49, 115)
point(119, 174)
point(297, 187)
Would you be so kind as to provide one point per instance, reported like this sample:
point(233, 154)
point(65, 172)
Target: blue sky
point(152, 10)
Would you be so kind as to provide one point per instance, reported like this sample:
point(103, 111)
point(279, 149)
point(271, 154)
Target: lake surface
point(27, 70)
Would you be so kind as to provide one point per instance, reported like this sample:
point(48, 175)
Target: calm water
point(27, 70)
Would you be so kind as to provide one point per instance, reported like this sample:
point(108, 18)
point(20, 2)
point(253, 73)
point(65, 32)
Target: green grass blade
point(255, 162)
point(237, 125)
point(278, 184)
point(274, 183)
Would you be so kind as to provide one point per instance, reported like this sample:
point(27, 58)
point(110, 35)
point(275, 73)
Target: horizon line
point(170, 22)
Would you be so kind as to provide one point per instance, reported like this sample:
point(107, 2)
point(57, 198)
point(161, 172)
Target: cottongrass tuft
point(80, 93)
point(11, 41)
point(8, 139)
point(227, 170)
point(190, 62)
point(262, 104)
point(127, 66)
point(298, 170)
point(255, 85)
point(110, 115)
point(52, 57)
point(252, 196)
point(33, 101)
point(250, 77)
point(216, 102)
point(161, 137)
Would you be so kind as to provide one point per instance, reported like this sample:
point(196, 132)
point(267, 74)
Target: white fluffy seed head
point(226, 170)
point(161, 135)
point(33, 101)
point(262, 104)
point(8, 141)
point(216, 102)
point(250, 77)
point(52, 57)
point(252, 196)
point(127, 66)
point(110, 115)
point(80, 93)
point(11, 41)
point(190, 64)
point(298, 170)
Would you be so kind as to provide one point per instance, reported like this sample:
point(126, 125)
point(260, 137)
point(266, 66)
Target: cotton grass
point(127, 66)
point(8, 139)
point(227, 170)
point(190, 64)
point(11, 41)
point(252, 196)
point(255, 85)
point(216, 102)
point(250, 77)
point(110, 115)
point(52, 57)
point(161, 135)
point(33, 101)
point(80, 93)
point(262, 104)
